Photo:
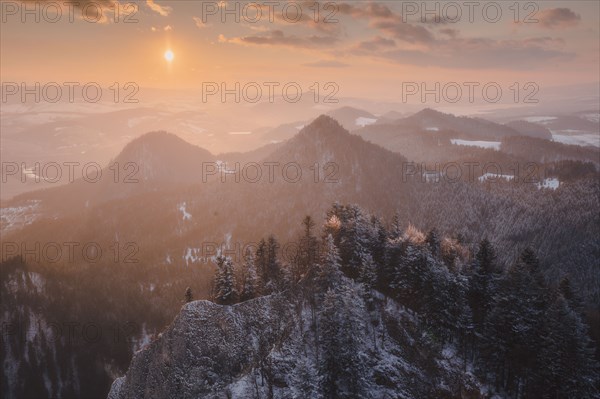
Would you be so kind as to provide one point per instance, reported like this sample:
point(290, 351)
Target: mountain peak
point(430, 112)
point(325, 121)
point(161, 155)
point(156, 138)
point(325, 126)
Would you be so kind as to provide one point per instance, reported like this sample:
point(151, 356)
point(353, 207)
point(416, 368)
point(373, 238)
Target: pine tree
point(512, 328)
point(225, 284)
point(272, 275)
point(329, 368)
point(574, 300)
point(566, 367)
point(482, 283)
point(329, 273)
point(305, 380)
point(342, 365)
point(368, 277)
point(486, 257)
point(352, 337)
point(261, 260)
point(411, 282)
point(433, 241)
point(377, 241)
point(394, 251)
point(308, 249)
point(188, 295)
point(250, 289)
point(396, 230)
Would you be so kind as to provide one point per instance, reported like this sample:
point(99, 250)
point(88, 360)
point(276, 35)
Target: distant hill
point(530, 129)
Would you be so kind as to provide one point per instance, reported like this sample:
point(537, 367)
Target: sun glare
point(169, 56)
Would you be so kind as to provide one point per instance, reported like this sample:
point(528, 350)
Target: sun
point(169, 56)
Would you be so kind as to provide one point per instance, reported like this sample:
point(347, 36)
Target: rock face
point(269, 348)
point(203, 350)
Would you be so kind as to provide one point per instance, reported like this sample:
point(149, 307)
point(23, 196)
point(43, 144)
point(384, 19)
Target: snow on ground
point(184, 213)
point(582, 139)
point(362, 121)
point(37, 280)
point(19, 216)
point(592, 117)
point(195, 255)
point(495, 176)
point(133, 122)
point(193, 128)
point(551, 183)
point(141, 341)
point(540, 119)
point(477, 143)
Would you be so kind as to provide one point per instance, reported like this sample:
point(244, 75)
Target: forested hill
point(370, 310)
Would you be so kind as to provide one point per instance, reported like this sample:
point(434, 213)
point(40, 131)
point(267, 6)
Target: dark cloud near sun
point(553, 18)
point(326, 64)
point(475, 53)
point(376, 44)
point(419, 43)
point(78, 3)
point(279, 38)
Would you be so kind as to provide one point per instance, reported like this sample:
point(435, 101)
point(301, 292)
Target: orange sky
point(368, 52)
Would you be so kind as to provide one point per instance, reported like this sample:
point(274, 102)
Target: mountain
point(156, 160)
point(163, 158)
point(322, 164)
point(260, 348)
point(173, 227)
point(530, 129)
point(374, 312)
point(280, 133)
point(352, 118)
point(466, 127)
point(392, 115)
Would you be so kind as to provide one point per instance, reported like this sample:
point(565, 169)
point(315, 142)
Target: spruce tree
point(188, 295)
point(273, 276)
point(482, 283)
point(396, 230)
point(225, 284)
point(329, 273)
point(566, 367)
point(250, 288)
point(433, 241)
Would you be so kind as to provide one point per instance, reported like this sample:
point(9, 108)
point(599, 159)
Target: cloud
point(381, 17)
point(370, 10)
point(375, 44)
point(80, 3)
point(305, 17)
point(199, 23)
point(557, 18)
point(422, 44)
point(403, 31)
point(162, 10)
point(475, 53)
point(89, 9)
point(452, 33)
point(168, 28)
point(278, 38)
point(326, 64)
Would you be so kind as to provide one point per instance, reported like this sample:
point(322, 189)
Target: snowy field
point(495, 145)
point(582, 139)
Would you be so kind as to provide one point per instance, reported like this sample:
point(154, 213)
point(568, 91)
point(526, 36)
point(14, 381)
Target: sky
point(368, 48)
